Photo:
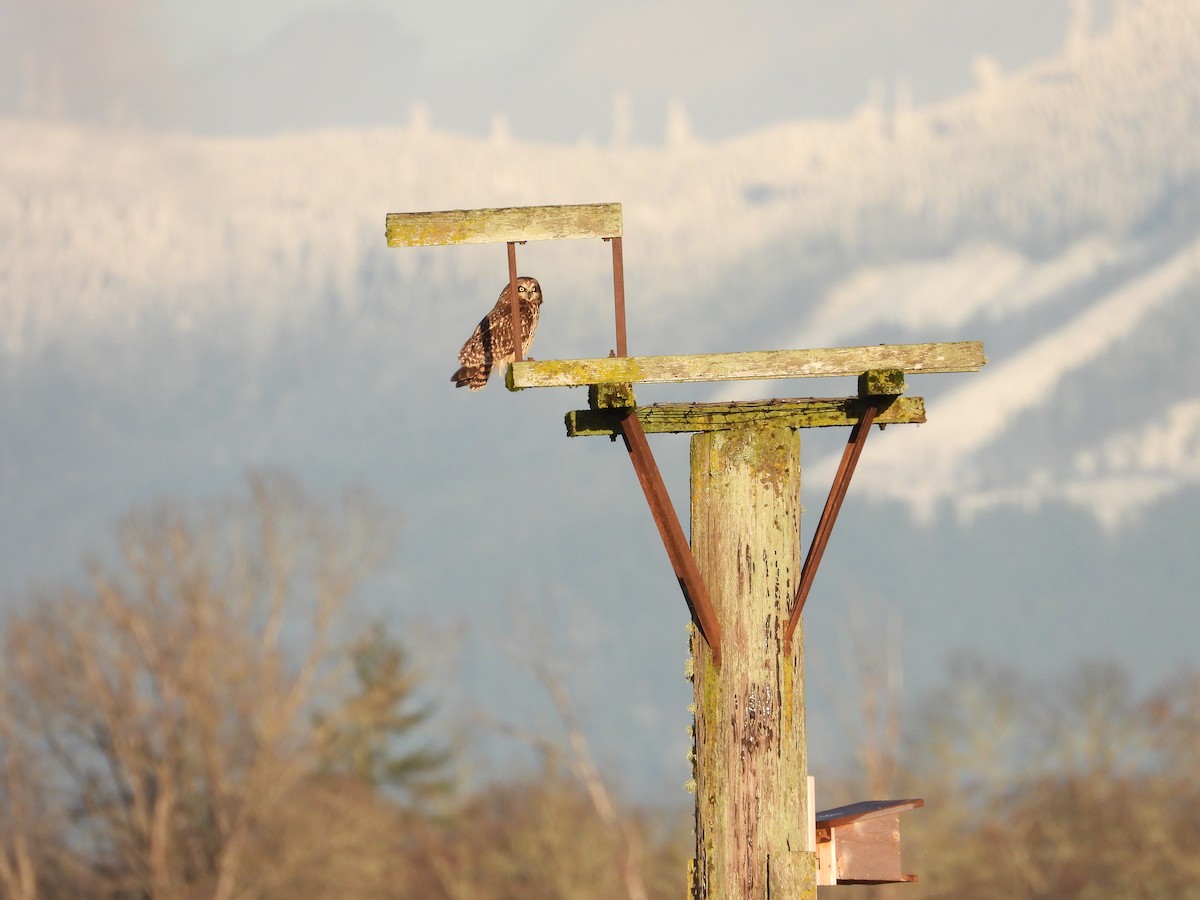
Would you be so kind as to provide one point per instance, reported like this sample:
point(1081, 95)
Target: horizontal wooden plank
point(808, 412)
point(514, 223)
point(913, 359)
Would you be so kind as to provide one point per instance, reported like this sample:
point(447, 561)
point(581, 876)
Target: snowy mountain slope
point(967, 456)
point(106, 224)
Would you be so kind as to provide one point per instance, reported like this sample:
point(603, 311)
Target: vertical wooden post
point(751, 760)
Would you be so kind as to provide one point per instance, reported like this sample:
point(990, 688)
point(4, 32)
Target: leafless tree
point(21, 832)
point(1067, 785)
point(157, 723)
point(865, 685)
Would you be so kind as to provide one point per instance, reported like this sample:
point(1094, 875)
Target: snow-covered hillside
point(1053, 211)
point(1101, 140)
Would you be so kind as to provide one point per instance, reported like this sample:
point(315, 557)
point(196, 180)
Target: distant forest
point(206, 717)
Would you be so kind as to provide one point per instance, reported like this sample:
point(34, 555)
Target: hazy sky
point(552, 69)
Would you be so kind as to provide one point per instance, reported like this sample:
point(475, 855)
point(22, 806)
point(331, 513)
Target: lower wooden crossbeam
point(809, 412)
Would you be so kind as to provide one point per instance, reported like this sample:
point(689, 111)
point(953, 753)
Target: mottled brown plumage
point(491, 344)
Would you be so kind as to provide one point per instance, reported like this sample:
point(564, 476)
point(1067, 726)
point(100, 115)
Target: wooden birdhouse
point(860, 843)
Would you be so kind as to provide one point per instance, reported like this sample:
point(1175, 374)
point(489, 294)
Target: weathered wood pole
point(751, 760)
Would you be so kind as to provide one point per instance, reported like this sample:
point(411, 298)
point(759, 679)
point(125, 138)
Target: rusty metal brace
point(619, 293)
point(517, 329)
point(833, 505)
point(678, 550)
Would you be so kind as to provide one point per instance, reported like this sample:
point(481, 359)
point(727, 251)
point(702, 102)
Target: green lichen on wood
point(881, 383)
point(677, 418)
point(709, 679)
point(501, 225)
point(611, 396)
point(788, 679)
point(512, 372)
point(793, 874)
point(769, 456)
point(563, 372)
point(963, 356)
point(751, 759)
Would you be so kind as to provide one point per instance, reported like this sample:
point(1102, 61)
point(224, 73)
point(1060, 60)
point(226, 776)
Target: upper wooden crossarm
point(514, 223)
point(964, 356)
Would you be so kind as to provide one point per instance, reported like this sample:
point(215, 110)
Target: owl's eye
point(521, 289)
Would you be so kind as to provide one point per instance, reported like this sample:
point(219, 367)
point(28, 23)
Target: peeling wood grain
point(809, 412)
point(750, 758)
point(913, 359)
point(514, 223)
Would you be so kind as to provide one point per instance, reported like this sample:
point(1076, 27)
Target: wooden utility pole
point(751, 764)
point(757, 835)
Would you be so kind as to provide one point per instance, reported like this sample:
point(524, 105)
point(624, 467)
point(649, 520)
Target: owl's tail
point(473, 377)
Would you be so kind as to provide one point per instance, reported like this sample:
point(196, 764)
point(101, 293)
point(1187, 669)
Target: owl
point(491, 344)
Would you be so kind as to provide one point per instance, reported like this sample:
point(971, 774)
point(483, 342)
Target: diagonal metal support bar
point(833, 505)
point(678, 549)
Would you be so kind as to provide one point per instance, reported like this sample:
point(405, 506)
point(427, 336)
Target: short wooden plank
point(867, 809)
point(677, 418)
point(964, 356)
point(826, 859)
point(881, 383)
point(611, 396)
point(514, 223)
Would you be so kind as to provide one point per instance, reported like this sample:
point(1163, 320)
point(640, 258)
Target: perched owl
point(492, 342)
